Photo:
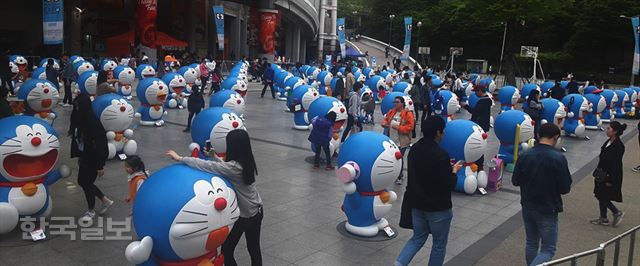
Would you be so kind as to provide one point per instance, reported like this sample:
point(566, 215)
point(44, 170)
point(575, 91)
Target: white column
point(321, 28)
point(334, 17)
point(296, 44)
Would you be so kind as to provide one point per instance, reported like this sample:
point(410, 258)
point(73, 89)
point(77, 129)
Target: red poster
point(267, 28)
point(146, 22)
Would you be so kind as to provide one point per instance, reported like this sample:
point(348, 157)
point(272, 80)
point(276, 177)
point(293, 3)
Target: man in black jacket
point(481, 113)
point(543, 175)
point(339, 89)
point(427, 200)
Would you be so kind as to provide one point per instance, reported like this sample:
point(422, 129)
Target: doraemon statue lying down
point(369, 163)
point(209, 131)
point(505, 128)
point(466, 141)
point(152, 93)
point(30, 150)
point(298, 102)
point(39, 96)
point(184, 220)
point(116, 116)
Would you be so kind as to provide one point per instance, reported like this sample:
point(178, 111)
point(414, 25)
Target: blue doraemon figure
point(619, 106)
point(144, 71)
point(368, 72)
point(375, 83)
point(577, 107)
point(402, 86)
point(369, 163)
point(182, 221)
point(324, 82)
point(75, 59)
point(526, 90)
point(387, 102)
point(291, 84)
point(109, 66)
point(56, 63)
point(553, 111)
point(39, 96)
point(191, 77)
point(125, 76)
point(545, 87)
point(39, 73)
point(505, 129)
point(209, 130)
point(88, 83)
point(609, 112)
point(116, 115)
point(81, 67)
point(629, 106)
point(597, 104)
point(177, 86)
point(466, 141)
point(279, 80)
point(152, 94)
point(320, 108)
point(508, 97)
point(234, 84)
point(446, 104)
point(299, 102)
point(228, 99)
point(30, 150)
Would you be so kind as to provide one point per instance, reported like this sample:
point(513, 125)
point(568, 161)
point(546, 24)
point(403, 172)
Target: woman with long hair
point(239, 167)
point(533, 109)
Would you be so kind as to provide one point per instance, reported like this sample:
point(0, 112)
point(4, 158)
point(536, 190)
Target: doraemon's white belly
point(28, 205)
point(156, 114)
point(380, 209)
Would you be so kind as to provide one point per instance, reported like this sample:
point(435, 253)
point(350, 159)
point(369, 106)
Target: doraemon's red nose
point(122, 108)
point(36, 141)
point(484, 135)
point(46, 90)
point(341, 110)
point(315, 94)
point(129, 72)
point(533, 123)
point(239, 101)
point(398, 155)
point(220, 204)
point(235, 124)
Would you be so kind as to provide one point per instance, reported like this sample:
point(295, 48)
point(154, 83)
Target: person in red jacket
point(399, 123)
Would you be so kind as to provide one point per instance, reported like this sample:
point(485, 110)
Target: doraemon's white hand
point(65, 171)
point(349, 188)
point(138, 115)
point(111, 135)
point(51, 116)
point(128, 133)
point(138, 252)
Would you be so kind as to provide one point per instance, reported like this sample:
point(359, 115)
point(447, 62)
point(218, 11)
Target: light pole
point(419, 24)
point(390, 26)
point(504, 38)
point(356, 21)
point(632, 70)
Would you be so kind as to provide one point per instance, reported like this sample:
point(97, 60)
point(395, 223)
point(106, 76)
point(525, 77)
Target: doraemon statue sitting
point(40, 96)
point(508, 97)
point(369, 163)
point(145, 71)
point(629, 106)
point(623, 98)
point(505, 129)
point(597, 104)
point(109, 66)
point(190, 76)
point(577, 107)
point(375, 83)
point(209, 131)
point(236, 85)
point(320, 108)
point(299, 102)
point(553, 111)
point(228, 99)
point(446, 104)
point(402, 86)
point(466, 141)
point(116, 115)
point(324, 82)
point(88, 83)
point(177, 85)
point(182, 221)
point(611, 98)
point(125, 76)
point(30, 150)
point(152, 94)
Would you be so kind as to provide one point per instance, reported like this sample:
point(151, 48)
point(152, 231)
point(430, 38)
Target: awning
point(119, 45)
point(351, 52)
point(168, 42)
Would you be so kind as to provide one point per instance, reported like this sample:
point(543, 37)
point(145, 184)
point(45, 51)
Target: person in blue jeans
point(426, 207)
point(320, 137)
point(543, 176)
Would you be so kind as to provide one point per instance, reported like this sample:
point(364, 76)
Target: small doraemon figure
point(234, 84)
point(553, 111)
point(190, 76)
point(508, 97)
point(43, 63)
point(312, 73)
point(623, 98)
point(21, 62)
point(320, 108)
point(116, 116)
point(88, 83)
point(505, 128)
point(182, 221)
point(375, 83)
point(609, 112)
point(466, 141)
point(144, 71)
point(109, 66)
point(209, 131)
point(545, 87)
point(125, 76)
point(526, 90)
point(597, 104)
point(402, 86)
point(39, 73)
point(324, 82)
point(228, 99)
point(577, 107)
point(40, 95)
point(152, 94)
point(629, 106)
point(369, 163)
point(177, 85)
point(30, 150)
point(299, 102)
point(446, 104)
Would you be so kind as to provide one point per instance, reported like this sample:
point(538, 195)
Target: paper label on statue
point(389, 231)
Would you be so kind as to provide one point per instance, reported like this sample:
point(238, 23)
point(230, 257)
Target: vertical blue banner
point(408, 25)
point(327, 61)
point(341, 37)
point(218, 14)
point(636, 54)
point(52, 21)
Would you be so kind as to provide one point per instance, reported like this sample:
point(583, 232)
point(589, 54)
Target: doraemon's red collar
point(151, 105)
point(20, 184)
point(371, 193)
point(211, 258)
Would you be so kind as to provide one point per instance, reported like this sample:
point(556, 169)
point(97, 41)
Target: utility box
point(477, 66)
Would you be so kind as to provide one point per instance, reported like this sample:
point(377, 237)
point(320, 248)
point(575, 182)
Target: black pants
point(7, 84)
point(191, 115)
point(426, 112)
point(87, 175)
point(327, 153)
point(480, 163)
point(215, 87)
point(607, 204)
point(402, 151)
point(204, 81)
point(350, 121)
point(68, 97)
point(264, 89)
point(251, 229)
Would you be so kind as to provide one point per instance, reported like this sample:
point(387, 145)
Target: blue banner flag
point(341, 37)
point(636, 54)
point(52, 22)
point(408, 25)
point(218, 14)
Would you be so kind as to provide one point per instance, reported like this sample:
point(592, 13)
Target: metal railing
point(600, 252)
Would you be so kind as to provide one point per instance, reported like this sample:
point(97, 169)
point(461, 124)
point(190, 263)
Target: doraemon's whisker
point(384, 166)
point(193, 212)
point(8, 145)
point(224, 127)
point(475, 148)
point(113, 118)
point(221, 132)
point(12, 152)
point(220, 137)
point(385, 172)
point(13, 139)
point(234, 218)
point(50, 136)
point(234, 210)
point(201, 229)
point(192, 222)
point(386, 160)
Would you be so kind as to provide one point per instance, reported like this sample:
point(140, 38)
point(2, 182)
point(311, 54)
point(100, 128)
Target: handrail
point(379, 44)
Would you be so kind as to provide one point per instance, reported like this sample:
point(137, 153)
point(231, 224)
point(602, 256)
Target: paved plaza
point(301, 205)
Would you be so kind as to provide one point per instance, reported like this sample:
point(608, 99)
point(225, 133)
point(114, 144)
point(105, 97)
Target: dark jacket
point(5, 108)
point(611, 162)
point(268, 74)
point(86, 129)
point(52, 75)
point(543, 175)
point(339, 89)
point(322, 131)
point(481, 114)
point(572, 87)
point(557, 92)
point(195, 103)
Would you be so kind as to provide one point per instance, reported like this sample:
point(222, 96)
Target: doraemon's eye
point(29, 134)
point(203, 190)
point(38, 134)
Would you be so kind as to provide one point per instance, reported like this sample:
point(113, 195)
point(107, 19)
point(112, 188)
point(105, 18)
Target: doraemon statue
point(182, 221)
point(368, 72)
point(20, 61)
point(402, 86)
point(466, 141)
point(209, 129)
point(505, 129)
point(629, 106)
point(30, 150)
point(234, 84)
point(526, 90)
point(125, 76)
point(446, 104)
point(324, 81)
point(145, 71)
point(597, 104)
point(88, 83)
point(228, 99)
point(369, 163)
point(619, 106)
point(291, 84)
point(116, 115)
point(553, 111)
point(320, 108)
point(44, 61)
point(39, 73)
point(75, 59)
point(545, 87)
point(577, 106)
point(39, 95)
point(152, 94)
point(279, 80)
point(177, 86)
point(190, 76)
point(611, 98)
point(299, 102)
point(312, 73)
point(109, 66)
point(387, 102)
point(375, 83)
point(81, 67)
point(508, 97)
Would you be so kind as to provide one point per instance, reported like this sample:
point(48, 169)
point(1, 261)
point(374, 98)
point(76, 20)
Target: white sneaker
point(61, 103)
point(67, 105)
point(105, 207)
point(88, 216)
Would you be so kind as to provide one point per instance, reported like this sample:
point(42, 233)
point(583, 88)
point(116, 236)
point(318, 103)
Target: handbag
point(600, 175)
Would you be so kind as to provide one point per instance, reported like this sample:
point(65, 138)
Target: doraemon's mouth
point(22, 66)
point(162, 96)
point(22, 166)
point(46, 103)
point(338, 124)
point(148, 75)
point(178, 89)
point(242, 93)
point(216, 238)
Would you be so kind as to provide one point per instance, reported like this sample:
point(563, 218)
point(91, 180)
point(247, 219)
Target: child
point(368, 106)
point(320, 137)
point(137, 175)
